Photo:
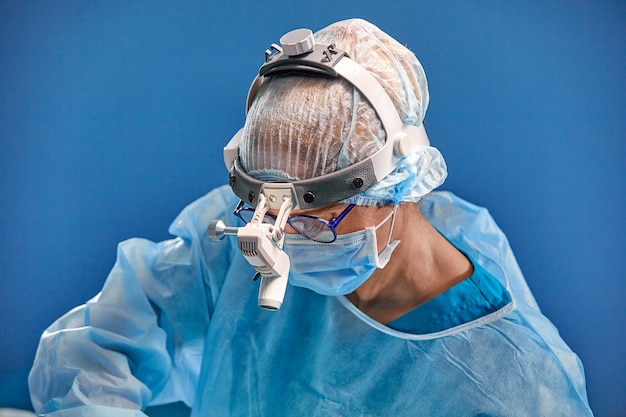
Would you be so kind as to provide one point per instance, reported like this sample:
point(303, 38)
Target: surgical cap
point(300, 127)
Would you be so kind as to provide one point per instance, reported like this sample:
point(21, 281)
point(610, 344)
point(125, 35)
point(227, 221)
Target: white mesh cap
point(300, 127)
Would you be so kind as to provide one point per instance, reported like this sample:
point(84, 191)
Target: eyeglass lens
point(311, 227)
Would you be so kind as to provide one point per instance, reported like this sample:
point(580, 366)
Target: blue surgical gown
point(178, 321)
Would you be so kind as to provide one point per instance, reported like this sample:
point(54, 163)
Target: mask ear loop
point(393, 222)
point(385, 254)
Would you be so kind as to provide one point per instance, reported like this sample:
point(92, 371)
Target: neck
point(422, 267)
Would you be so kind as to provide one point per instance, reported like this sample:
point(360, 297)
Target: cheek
point(360, 218)
point(344, 229)
point(351, 225)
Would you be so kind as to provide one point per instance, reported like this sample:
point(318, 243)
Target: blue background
point(113, 115)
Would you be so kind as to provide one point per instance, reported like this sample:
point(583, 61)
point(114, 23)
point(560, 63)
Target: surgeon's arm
point(136, 343)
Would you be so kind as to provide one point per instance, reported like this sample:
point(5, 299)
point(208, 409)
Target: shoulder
point(472, 230)
point(443, 208)
point(464, 224)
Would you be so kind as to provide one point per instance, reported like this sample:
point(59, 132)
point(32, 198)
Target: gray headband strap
point(316, 192)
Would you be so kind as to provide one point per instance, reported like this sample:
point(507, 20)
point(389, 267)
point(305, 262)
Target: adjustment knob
point(297, 42)
point(217, 230)
point(403, 145)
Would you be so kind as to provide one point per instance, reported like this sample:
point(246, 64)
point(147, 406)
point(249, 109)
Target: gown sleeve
point(139, 342)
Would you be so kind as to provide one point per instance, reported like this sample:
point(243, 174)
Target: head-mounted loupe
point(261, 243)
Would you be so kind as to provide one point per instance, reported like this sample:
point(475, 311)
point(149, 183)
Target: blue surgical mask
point(340, 267)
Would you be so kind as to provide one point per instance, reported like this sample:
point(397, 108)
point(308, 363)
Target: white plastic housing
point(269, 260)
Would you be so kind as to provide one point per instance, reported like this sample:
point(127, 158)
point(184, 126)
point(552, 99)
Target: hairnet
point(300, 127)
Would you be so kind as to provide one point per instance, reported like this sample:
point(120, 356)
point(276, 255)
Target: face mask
point(340, 267)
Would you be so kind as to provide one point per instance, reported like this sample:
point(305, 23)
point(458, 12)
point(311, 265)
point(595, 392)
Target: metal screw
point(357, 183)
point(309, 197)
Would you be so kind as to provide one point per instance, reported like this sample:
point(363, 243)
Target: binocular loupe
point(262, 243)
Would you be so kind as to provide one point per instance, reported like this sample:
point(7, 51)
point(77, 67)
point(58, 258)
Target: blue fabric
point(477, 296)
point(179, 321)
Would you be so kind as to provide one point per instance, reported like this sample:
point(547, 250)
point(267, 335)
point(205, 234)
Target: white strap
point(384, 160)
point(400, 137)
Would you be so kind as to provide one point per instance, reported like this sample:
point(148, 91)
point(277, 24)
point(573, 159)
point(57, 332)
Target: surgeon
point(399, 301)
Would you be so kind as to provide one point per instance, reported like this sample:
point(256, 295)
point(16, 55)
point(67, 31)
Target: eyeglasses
point(311, 227)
